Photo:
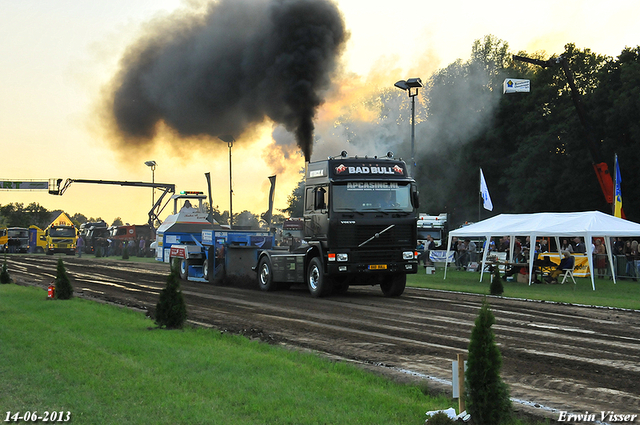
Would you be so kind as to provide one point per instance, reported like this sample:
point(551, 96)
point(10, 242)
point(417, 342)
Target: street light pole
point(229, 140)
point(413, 127)
point(152, 165)
point(411, 86)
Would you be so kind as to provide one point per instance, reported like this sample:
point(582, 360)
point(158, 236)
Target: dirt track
point(555, 357)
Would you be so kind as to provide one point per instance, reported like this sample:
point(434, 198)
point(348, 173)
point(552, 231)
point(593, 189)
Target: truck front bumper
point(408, 267)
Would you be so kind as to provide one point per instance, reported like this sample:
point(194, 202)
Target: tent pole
point(609, 248)
point(446, 258)
point(532, 255)
point(589, 246)
point(512, 244)
point(480, 196)
point(485, 251)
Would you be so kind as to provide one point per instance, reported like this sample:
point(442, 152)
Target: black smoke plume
point(221, 71)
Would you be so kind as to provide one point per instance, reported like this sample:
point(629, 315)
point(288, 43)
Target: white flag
point(484, 191)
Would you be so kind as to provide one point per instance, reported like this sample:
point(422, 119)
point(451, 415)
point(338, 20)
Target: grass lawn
point(623, 294)
point(106, 366)
point(109, 365)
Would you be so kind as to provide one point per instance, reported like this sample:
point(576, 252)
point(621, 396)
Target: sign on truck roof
point(62, 220)
point(338, 169)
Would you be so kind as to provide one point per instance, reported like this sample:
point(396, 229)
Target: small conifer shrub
point(5, 277)
point(171, 310)
point(496, 287)
point(486, 396)
point(64, 290)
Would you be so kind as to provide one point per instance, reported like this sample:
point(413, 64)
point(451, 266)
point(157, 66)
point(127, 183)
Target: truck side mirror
point(415, 196)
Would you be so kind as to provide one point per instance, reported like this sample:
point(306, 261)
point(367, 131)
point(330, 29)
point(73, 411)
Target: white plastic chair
point(569, 273)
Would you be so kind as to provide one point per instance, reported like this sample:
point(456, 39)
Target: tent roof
point(594, 223)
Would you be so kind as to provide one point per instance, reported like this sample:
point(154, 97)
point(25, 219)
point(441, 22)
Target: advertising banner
point(582, 263)
point(23, 185)
point(514, 85)
point(440, 256)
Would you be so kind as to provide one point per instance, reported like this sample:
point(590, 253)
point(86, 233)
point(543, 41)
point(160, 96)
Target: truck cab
point(60, 239)
point(435, 226)
point(4, 239)
point(184, 227)
point(359, 229)
point(18, 238)
point(60, 236)
point(92, 233)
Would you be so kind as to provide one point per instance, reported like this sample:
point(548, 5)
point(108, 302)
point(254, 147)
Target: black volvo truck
point(359, 229)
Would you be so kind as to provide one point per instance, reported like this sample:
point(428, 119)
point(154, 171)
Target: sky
point(57, 59)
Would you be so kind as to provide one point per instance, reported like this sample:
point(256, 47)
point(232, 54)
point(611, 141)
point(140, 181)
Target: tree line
point(531, 147)
point(19, 215)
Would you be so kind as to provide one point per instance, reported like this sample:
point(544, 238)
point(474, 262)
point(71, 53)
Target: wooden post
point(461, 405)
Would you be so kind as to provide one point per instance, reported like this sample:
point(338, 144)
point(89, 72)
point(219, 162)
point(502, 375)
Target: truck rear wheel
point(318, 283)
point(265, 275)
point(394, 285)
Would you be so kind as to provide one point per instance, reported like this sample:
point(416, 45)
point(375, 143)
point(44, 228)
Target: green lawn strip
point(104, 365)
point(623, 294)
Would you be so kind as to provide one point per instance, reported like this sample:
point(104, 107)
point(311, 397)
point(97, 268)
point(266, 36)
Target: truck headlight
point(407, 255)
point(342, 257)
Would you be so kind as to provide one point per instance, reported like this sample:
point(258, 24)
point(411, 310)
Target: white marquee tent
point(578, 224)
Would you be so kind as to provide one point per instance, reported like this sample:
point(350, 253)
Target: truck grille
point(352, 236)
point(376, 257)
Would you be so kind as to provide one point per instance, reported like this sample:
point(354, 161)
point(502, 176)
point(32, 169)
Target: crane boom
point(59, 186)
point(599, 165)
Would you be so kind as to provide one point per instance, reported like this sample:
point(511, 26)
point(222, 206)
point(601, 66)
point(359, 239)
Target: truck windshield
point(372, 196)
point(18, 233)
point(62, 232)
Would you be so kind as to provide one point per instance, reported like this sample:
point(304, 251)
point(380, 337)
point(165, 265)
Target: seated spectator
point(565, 264)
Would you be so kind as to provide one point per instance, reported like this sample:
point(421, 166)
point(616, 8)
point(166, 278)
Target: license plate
point(377, 267)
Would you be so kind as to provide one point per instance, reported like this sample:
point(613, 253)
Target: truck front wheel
point(394, 285)
point(265, 277)
point(318, 283)
point(206, 270)
point(184, 269)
